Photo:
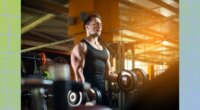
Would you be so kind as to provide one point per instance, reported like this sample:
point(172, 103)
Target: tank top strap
point(90, 46)
point(87, 43)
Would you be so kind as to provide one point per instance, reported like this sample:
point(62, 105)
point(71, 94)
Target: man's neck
point(93, 35)
point(93, 39)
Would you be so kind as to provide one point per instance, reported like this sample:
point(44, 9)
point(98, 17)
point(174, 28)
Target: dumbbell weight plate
point(98, 95)
point(141, 75)
point(127, 80)
point(74, 98)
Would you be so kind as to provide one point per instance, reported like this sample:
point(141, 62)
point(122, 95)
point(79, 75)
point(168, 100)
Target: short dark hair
point(89, 18)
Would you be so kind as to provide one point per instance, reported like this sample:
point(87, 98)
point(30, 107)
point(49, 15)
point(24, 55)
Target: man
point(90, 60)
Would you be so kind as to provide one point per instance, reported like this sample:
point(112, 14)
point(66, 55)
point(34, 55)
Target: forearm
point(112, 77)
point(74, 76)
point(80, 76)
point(78, 73)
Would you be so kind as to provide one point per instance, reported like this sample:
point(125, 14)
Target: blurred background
point(140, 33)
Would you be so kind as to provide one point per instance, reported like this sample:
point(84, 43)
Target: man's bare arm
point(78, 61)
point(109, 75)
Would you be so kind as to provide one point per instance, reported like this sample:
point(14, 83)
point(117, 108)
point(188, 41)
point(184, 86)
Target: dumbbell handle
point(79, 86)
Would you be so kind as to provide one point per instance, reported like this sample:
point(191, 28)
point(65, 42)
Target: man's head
point(93, 24)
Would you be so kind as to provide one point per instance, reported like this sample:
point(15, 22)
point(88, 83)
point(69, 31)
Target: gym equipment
point(29, 83)
point(60, 89)
point(43, 58)
point(31, 63)
point(131, 79)
point(141, 76)
point(38, 99)
point(98, 95)
point(39, 57)
point(127, 80)
point(76, 98)
point(45, 74)
point(60, 86)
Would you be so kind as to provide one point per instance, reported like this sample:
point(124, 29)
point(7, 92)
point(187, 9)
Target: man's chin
point(96, 35)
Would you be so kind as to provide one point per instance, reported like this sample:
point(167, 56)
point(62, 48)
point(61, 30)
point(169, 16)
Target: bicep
point(109, 74)
point(77, 57)
point(108, 65)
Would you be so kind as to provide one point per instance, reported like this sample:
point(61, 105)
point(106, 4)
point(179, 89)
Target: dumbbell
point(96, 95)
point(127, 80)
point(76, 98)
point(131, 79)
point(141, 76)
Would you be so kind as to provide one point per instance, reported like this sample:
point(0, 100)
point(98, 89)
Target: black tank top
point(95, 61)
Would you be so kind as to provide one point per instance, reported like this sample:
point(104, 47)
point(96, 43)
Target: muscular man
point(90, 60)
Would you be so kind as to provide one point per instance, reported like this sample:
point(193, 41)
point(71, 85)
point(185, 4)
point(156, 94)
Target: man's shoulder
point(82, 44)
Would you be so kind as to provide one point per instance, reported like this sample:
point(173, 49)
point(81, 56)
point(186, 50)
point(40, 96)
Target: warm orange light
point(169, 44)
point(165, 43)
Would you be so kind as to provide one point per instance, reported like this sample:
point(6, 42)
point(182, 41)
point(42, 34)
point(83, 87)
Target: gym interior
point(142, 37)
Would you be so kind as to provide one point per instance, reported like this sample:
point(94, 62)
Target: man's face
point(94, 27)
